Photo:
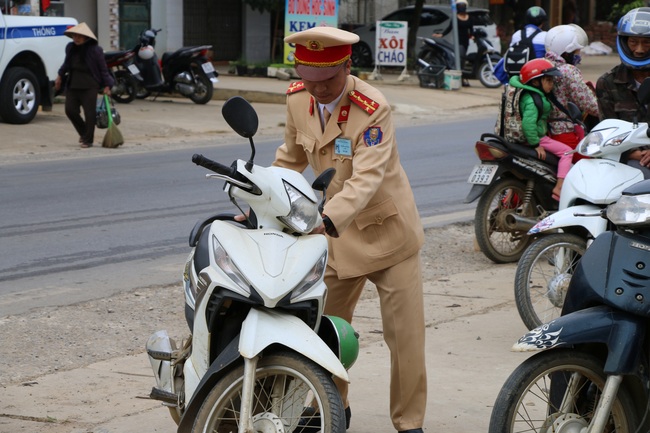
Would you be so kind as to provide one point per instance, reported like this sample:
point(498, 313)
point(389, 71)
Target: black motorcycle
point(515, 188)
point(593, 371)
point(125, 73)
point(437, 55)
point(187, 70)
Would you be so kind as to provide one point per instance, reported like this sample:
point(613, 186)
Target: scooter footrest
point(164, 396)
point(160, 356)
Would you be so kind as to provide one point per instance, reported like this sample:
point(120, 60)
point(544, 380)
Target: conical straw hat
point(80, 29)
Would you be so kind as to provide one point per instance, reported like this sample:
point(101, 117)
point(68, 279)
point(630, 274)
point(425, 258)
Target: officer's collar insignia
point(343, 114)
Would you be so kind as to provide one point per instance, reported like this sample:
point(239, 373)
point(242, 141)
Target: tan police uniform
point(371, 204)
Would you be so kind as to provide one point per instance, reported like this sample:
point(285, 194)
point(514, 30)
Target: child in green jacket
point(536, 77)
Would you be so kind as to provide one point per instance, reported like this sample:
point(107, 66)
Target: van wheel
point(20, 96)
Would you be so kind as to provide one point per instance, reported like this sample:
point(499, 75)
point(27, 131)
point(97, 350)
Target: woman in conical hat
point(86, 75)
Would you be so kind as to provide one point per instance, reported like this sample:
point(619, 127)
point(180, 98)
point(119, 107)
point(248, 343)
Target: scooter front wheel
point(558, 391)
point(543, 275)
point(292, 394)
point(499, 239)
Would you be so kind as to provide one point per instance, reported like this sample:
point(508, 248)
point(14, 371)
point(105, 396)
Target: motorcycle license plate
point(482, 174)
point(207, 67)
point(133, 69)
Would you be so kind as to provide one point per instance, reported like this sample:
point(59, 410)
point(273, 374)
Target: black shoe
point(413, 430)
point(465, 84)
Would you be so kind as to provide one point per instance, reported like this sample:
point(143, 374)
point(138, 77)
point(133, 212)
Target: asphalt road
point(79, 229)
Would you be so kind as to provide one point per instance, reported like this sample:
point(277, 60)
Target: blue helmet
point(634, 23)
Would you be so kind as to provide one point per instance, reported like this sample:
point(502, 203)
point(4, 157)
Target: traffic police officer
point(374, 231)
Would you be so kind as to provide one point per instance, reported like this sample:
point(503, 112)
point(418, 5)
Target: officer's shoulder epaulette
point(296, 86)
point(366, 104)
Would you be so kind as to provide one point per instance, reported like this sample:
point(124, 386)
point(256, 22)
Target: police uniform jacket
point(370, 201)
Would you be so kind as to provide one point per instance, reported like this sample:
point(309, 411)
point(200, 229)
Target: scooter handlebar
point(212, 165)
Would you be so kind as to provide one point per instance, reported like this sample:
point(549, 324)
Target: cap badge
point(315, 46)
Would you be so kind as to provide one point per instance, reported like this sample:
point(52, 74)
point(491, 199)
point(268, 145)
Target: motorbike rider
point(465, 30)
point(563, 44)
point(535, 19)
point(617, 89)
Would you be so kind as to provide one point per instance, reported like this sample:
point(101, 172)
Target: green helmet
point(341, 337)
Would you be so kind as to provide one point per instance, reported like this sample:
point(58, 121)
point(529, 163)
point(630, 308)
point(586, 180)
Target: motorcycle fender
point(567, 218)
point(263, 328)
point(474, 193)
point(621, 332)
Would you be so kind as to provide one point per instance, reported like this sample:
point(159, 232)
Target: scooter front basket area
point(432, 77)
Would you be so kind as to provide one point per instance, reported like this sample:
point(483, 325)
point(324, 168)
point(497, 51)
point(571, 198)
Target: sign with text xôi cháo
point(390, 43)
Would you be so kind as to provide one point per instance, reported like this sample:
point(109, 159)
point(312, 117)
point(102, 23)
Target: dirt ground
point(78, 335)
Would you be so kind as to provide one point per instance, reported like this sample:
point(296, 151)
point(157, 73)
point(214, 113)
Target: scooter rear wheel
point(496, 239)
point(203, 88)
point(486, 76)
point(292, 394)
point(536, 397)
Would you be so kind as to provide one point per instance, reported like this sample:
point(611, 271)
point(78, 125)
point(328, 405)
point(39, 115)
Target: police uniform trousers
point(402, 313)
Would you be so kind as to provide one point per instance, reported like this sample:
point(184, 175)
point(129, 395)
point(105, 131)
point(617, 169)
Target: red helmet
point(537, 68)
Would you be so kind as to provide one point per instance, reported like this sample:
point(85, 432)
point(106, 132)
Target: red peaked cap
point(320, 51)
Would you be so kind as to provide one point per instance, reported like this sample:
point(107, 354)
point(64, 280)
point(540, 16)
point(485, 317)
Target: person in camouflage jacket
point(616, 90)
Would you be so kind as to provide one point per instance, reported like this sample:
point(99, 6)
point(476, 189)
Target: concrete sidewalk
point(170, 122)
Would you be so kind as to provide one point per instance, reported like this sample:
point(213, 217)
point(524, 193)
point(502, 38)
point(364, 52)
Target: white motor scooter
point(545, 268)
point(261, 356)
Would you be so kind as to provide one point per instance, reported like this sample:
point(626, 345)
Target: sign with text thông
point(390, 43)
point(304, 14)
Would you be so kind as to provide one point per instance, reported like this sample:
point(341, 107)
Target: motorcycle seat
point(111, 55)
point(521, 150)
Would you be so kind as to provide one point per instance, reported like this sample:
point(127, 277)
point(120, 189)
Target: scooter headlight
point(630, 210)
point(312, 277)
point(595, 141)
point(225, 264)
point(303, 214)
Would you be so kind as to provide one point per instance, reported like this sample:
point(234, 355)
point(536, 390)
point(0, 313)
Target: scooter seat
point(521, 150)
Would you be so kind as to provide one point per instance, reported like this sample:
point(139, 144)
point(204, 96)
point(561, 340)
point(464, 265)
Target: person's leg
point(402, 313)
point(637, 164)
point(342, 298)
point(560, 150)
point(73, 110)
point(89, 104)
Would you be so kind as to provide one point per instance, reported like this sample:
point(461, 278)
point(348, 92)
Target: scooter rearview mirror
point(323, 180)
point(321, 183)
point(241, 116)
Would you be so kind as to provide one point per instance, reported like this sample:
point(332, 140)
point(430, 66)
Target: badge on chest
point(343, 146)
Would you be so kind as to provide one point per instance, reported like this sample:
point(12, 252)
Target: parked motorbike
point(515, 189)
point(125, 73)
point(545, 269)
point(593, 371)
point(437, 55)
point(261, 355)
point(187, 70)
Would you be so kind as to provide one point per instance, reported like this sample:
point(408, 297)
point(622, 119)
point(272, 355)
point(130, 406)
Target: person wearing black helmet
point(534, 23)
point(616, 90)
